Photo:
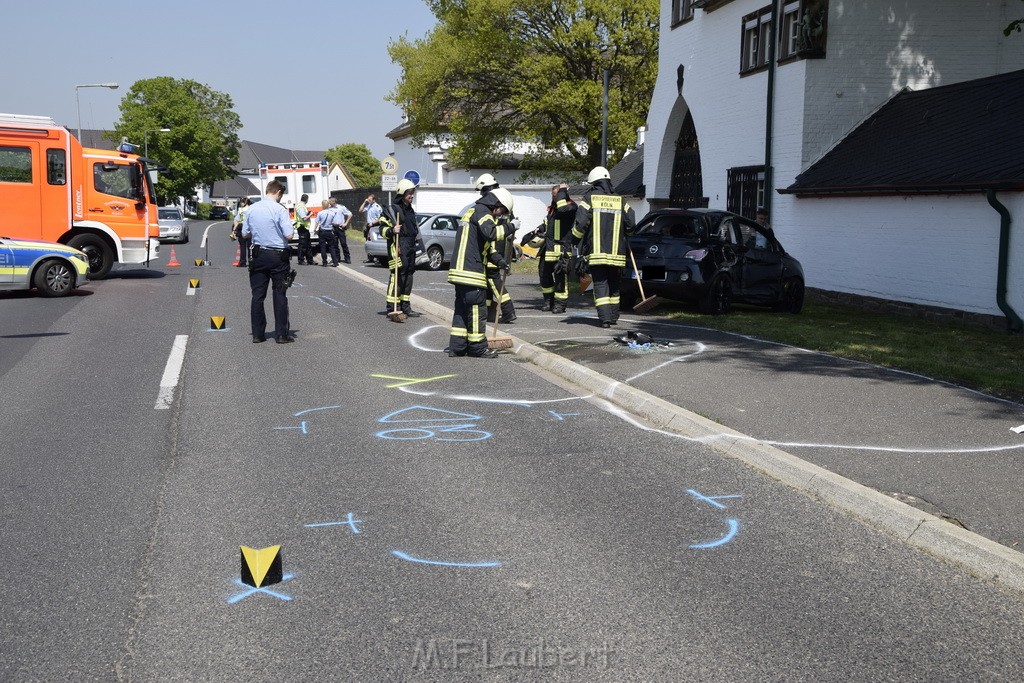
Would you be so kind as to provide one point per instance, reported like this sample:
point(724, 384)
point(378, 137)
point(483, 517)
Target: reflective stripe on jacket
point(605, 220)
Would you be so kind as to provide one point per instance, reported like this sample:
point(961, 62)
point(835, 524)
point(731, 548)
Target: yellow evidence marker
point(194, 283)
point(198, 261)
point(217, 322)
point(261, 567)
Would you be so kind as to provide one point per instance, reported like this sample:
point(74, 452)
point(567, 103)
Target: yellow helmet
point(404, 185)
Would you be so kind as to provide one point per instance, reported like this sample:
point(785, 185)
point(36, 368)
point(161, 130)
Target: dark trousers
point(343, 241)
point(606, 291)
point(400, 287)
point(468, 334)
point(269, 268)
point(328, 242)
point(496, 291)
point(243, 249)
point(554, 286)
point(305, 246)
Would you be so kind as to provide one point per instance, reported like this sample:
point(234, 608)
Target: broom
point(396, 316)
point(496, 343)
point(646, 303)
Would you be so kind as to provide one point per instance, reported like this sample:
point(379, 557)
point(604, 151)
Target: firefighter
point(402, 235)
point(554, 265)
point(468, 273)
point(603, 220)
point(499, 251)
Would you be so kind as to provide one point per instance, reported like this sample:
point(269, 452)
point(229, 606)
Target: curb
point(965, 549)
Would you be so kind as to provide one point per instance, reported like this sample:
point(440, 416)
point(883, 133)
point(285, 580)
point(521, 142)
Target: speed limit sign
point(389, 165)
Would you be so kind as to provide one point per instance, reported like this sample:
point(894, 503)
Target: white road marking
point(172, 371)
point(1017, 430)
point(206, 233)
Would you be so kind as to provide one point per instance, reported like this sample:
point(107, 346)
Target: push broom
point(646, 304)
point(496, 343)
point(396, 316)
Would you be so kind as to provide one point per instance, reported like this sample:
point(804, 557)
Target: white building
point(837, 62)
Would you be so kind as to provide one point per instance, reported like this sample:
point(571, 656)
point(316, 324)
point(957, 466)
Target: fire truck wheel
point(101, 258)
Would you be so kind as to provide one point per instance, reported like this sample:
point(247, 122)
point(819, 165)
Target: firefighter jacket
point(471, 245)
point(603, 220)
point(561, 214)
point(408, 236)
point(499, 248)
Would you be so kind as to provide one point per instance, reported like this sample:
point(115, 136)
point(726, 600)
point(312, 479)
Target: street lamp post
point(145, 139)
point(112, 86)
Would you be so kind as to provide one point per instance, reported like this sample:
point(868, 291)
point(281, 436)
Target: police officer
point(328, 238)
point(468, 273)
point(302, 220)
point(554, 264)
point(342, 217)
point(268, 225)
point(603, 219)
point(403, 235)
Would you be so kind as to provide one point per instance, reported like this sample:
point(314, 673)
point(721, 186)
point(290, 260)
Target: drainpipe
point(1013, 321)
point(770, 108)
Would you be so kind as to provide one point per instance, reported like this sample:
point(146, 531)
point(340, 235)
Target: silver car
point(173, 224)
point(437, 230)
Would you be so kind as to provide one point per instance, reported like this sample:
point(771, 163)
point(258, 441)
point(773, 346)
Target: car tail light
point(696, 254)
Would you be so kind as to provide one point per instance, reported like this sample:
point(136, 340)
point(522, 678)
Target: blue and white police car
point(54, 269)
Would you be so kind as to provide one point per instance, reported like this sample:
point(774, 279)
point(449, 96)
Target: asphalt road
point(440, 519)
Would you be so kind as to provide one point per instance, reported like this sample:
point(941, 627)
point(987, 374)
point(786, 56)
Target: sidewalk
point(936, 465)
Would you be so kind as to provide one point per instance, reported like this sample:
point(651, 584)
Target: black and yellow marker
point(217, 322)
point(198, 261)
point(194, 283)
point(261, 567)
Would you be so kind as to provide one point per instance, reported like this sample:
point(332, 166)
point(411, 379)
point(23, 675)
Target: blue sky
point(302, 75)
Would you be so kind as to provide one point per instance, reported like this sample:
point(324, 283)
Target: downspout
point(1013, 320)
point(770, 109)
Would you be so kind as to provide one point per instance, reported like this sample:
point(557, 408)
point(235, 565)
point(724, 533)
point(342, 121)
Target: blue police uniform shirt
point(373, 212)
point(341, 214)
point(324, 219)
point(269, 224)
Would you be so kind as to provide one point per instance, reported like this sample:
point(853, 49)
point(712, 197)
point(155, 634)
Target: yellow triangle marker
point(262, 566)
point(194, 284)
point(199, 261)
point(217, 322)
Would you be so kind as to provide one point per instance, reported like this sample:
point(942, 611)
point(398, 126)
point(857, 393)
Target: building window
point(56, 167)
point(15, 165)
point(756, 33)
point(308, 184)
point(745, 190)
point(789, 39)
point(682, 10)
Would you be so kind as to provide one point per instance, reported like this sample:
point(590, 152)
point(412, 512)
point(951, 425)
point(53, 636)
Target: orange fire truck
point(100, 201)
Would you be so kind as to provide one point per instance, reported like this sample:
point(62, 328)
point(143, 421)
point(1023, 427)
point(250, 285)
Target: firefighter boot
point(549, 302)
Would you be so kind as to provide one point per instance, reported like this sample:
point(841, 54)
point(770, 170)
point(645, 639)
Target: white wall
point(531, 201)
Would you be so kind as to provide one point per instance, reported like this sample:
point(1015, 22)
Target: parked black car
point(219, 213)
point(713, 258)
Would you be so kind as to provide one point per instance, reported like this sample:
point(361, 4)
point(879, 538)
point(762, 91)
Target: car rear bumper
point(684, 282)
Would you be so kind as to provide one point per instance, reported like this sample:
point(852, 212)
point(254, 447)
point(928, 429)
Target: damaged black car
point(712, 258)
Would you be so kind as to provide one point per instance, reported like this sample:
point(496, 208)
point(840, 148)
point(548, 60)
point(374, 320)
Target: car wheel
point(382, 260)
point(54, 278)
point(718, 299)
point(435, 256)
point(184, 237)
point(101, 258)
point(792, 299)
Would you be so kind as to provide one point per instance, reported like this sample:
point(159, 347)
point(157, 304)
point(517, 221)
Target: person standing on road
point(328, 240)
point(373, 213)
point(236, 232)
point(302, 220)
point(604, 219)
point(402, 238)
point(468, 273)
point(554, 265)
point(342, 217)
point(269, 226)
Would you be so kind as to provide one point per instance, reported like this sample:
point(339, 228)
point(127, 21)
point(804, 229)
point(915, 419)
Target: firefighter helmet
point(486, 180)
point(598, 173)
point(404, 185)
point(504, 197)
point(537, 241)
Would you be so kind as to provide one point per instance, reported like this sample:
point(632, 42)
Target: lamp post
point(112, 86)
point(145, 139)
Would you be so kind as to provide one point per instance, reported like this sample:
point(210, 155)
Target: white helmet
point(598, 173)
point(486, 180)
point(504, 197)
point(404, 185)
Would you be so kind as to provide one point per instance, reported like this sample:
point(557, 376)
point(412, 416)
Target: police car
point(53, 269)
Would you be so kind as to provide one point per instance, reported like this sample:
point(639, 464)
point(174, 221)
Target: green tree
point(202, 145)
point(496, 71)
point(360, 162)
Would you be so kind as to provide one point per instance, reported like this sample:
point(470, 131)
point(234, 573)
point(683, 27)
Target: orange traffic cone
point(238, 255)
point(173, 263)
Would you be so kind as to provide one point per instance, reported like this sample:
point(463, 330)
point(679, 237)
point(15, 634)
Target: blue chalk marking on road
point(390, 417)
point(734, 527)
point(562, 416)
point(350, 522)
point(410, 558)
point(334, 301)
point(711, 499)
point(249, 590)
point(313, 410)
point(223, 329)
point(430, 431)
point(302, 426)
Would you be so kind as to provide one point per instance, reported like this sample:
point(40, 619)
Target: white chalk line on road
point(172, 372)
